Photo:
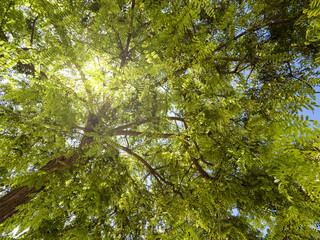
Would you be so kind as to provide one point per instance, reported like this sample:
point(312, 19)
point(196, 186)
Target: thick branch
point(134, 133)
point(105, 107)
point(135, 124)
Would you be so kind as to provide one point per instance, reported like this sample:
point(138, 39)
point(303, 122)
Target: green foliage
point(313, 15)
point(159, 119)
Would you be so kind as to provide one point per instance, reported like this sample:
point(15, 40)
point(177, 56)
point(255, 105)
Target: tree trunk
point(23, 194)
point(15, 198)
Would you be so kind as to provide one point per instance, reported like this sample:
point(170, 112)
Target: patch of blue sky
point(314, 114)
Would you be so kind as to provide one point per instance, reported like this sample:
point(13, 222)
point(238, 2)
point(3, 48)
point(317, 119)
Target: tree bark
point(23, 194)
point(15, 198)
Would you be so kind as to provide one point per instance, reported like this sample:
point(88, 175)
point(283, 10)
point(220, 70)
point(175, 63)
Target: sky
point(314, 115)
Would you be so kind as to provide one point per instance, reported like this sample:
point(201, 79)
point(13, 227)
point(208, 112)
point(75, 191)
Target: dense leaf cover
point(159, 119)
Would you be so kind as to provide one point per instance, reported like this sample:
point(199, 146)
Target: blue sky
point(314, 115)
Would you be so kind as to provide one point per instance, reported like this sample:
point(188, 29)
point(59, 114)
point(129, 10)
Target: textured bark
point(23, 194)
point(15, 198)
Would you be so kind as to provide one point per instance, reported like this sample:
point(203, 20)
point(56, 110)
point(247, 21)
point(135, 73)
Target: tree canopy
point(159, 119)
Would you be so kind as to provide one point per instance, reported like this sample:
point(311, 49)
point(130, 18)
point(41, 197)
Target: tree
point(159, 119)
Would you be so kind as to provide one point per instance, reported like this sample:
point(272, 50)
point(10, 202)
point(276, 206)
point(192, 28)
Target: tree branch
point(135, 124)
point(32, 69)
point(256, 28)
point(135, 134)
point(142, 160)
point(147, 165)
point(84, 81)
point(233, 59)
point(180, 184)
point(201, 156)
point(120, 46)
point(125, 53)
point(202, 172)
point(304, 82)
point(105, 107)
point(32, 31)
